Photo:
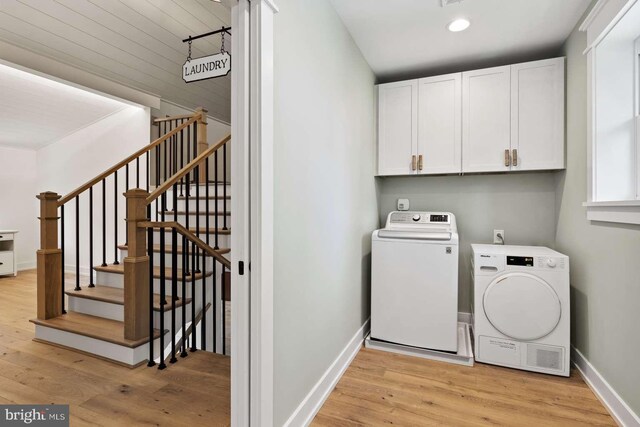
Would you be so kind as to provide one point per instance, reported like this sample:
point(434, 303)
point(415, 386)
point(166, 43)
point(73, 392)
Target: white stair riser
point(116, 311)
point(168, 259)
point(182, 205)
point(224, 240)
point(182, 219)
point(122, 354)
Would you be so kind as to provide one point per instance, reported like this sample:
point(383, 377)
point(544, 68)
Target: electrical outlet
point(496, 239)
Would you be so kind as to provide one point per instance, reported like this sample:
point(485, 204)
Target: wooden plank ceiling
point(135, 42)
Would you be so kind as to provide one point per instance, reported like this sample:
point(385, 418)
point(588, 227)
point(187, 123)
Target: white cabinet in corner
point(486, 118)
point(397, 128)
point(440, 124)
point(8, 264)
point(537, 115)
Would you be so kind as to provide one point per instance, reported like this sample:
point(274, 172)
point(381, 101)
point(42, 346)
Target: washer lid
point(522, 306)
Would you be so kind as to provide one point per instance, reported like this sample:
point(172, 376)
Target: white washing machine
point(521, 310)
point(414, 283)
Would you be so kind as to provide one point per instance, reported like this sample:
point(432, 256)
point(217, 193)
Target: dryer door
point(522, 306)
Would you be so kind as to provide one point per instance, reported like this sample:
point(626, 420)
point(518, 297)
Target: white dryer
point(521, 309)
point(414, 281)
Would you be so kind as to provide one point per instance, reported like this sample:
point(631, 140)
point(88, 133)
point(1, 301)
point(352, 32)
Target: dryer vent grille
point(544, 357)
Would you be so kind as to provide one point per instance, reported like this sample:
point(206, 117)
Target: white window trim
point(602, 18)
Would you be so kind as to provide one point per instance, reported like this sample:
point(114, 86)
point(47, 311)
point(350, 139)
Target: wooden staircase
point(158, 298)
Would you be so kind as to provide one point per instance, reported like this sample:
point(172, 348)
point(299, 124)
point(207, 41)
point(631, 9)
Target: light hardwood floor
point(381, 388)
point(193, 392)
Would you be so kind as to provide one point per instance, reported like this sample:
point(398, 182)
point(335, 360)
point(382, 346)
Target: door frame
point(252, 204)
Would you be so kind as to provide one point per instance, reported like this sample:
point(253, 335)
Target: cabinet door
point(397, 127)
point(537, 115)
point(440, 124)
point(486, 119)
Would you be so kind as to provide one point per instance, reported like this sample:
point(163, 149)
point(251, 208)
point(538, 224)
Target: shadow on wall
point(580, 317)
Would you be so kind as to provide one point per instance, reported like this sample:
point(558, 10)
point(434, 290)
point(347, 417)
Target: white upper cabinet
point(500, 119)
point(537, 115)
point(486, 119)
point(398, 128)
point(440, 124)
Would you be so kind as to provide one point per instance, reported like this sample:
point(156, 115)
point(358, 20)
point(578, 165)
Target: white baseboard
point(617, 407)
point(29, 265)
point(311, 404)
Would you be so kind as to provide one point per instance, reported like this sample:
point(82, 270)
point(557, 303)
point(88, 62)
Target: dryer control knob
point(551, 263)
point(416, 218)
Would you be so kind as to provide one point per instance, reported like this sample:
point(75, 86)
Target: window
point(613, 38)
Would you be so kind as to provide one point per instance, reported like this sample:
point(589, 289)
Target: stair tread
point(193, 197)
point(94, 327)
point(116, 296)
point(203, 230)
point(202, 212)
point(119, 269)
point(156, 248)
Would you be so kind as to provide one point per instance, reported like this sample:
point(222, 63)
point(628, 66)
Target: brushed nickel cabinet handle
point(420, 162)
point(507, 158)
point(514, 155)
point(413, 162)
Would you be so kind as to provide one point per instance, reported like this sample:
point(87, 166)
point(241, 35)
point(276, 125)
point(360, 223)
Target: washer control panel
point(419, 218)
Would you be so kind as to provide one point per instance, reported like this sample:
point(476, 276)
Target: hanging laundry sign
point(206, 67)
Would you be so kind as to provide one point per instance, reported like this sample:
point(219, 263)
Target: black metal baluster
point(215, 192)
point(148, 172)
point(137, 172)
point(77, 288)
point(223, 291)
point(203, 321)
point(62, 250)
point(126, 204)
point(206, 197)
point(115, 218)
point(165, 162)
point(184, 353)
point(174, 291)
point(157, 150)
point(214, 304)
point(182, 162)
point(193, 312)
point(104, 222)
point(185, 248)
point(197, 259)
point(162, 295)
point(224, 186)
point(150, 252)
point(91, 282)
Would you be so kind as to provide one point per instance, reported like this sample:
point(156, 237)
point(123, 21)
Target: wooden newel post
point(136, 268)
point(49, 256)
point(202, 140)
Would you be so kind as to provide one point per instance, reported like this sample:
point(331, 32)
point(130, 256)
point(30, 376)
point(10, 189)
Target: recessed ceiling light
point(459, 25)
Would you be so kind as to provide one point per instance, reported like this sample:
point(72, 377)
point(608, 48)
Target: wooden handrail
point(194, 118)
point(169, 118)
point(189, 235)
point(186, 169)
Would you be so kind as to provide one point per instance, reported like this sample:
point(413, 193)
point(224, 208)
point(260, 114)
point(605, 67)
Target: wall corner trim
point(311, 404)
point(617, 407)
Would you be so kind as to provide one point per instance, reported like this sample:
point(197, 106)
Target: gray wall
point(521, 204)
point(605, 257)
point(325, 195)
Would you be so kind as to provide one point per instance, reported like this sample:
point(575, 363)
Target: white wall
point(79, 157)
point(605, 272)
point(18, 203)
point(325, 196)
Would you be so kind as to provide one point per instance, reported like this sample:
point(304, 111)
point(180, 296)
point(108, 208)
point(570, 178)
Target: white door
point(537, 115)
point(397, 128)
point(440, 124)
point(486, 119)
point(414, 293)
